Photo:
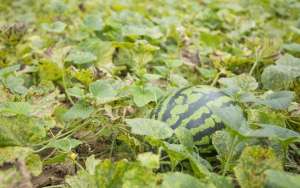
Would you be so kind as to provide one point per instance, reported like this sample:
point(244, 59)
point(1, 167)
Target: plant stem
point(232, 146)
point(112, 146)
point(255, 63)
point(65, 86)
point(216, 79)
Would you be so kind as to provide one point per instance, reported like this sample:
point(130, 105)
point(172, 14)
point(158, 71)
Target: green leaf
point(104, 50)
point(266, 116)
point(150, 127)
point(185, 137)
point(113, 174)
point(65, 144)
point(142, 95)
point(280, 179)
point(17, 108)
point(252, 164)
point(178, 152)
point(233, 117)
point(50, 71)
point(36, 42)
point(179, 80)
point(223, 143)
point(139, 177)
point(93, 22)
point(76, 92)
point(7, 70)
point(56, 27)
point(79, 57)
point(220, 181)
point(200, 166)
point(150, 77)
point(211, 40)
point(141, 30)
point(281, 75)
point(276, 77)
point(91, 163)
point(174, 63)
point(180, 180)
point(149, 160)
point(141, 98)
point(34, 164)
point(207, 73)
point(16, 85)
point(103, 90)
point(241, 82)
point(20, 130)
point(292, 47)
point(82, 180)
point(278, 100)
point(272, 131)
point(58, 158)
point(81, 110)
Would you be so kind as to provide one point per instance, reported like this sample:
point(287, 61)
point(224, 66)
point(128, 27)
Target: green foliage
point(93, 22)
point(65, 144)
point(49, 71)
point(228, 148)
point(240, 83)
point(185, 137)
point(278, 179)
point(12, 154)
point(233, 117)
point(252, 165)
point(79, 57)
point(79, 78)
point(281, 75)
point(56, 27)
point(220, 181)
point(150, 127)
point(108, 174)
point(180, 180)
point(103, 90)
point(178, 153)
point(80, 110)
point(16, 108)
point(292, 47)
point(20, 131)
point(142, 95)
point(16, 85)
point(277, 100)
point(149, 160)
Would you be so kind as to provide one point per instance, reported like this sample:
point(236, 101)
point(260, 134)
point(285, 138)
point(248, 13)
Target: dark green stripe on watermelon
point(208, 131)
point(157, 110)
point(190, 107)
point(171, 103)
point(194, 107)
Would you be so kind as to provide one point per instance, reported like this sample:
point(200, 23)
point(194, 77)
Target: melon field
point(149, 93)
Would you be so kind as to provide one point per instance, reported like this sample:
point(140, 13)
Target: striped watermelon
point(190, 107)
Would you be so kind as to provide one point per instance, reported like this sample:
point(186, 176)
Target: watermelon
point(190, 107)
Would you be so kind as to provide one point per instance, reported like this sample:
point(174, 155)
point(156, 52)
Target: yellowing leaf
point(149, 160)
